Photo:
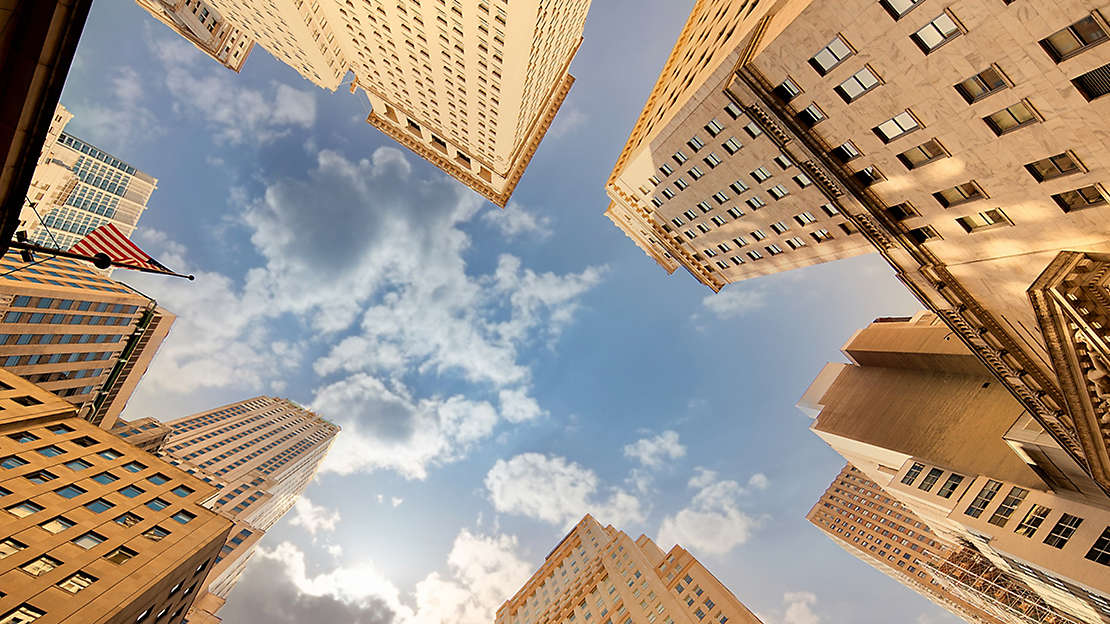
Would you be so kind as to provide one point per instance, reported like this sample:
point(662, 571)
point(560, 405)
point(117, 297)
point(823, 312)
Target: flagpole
point(100, 260)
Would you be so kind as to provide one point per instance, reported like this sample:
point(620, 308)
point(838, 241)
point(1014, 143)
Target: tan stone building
point(471, 85)
point(918, 414)
point(76, 333)
point(599, 574)
point(92, 529)
point(261, 454)
point(202, 26)
point(873, 526)
point(965, 141)
point(78, 187)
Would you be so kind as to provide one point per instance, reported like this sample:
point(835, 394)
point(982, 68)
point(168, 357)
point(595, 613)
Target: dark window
point(983, 498)
point(987, 82)
point(1066, 43)
point(930, 479)
point(1095, 83)
point(787, 90)
point(959, 194)
point(1078, 199)
point(1062, 532)
point(1009, 504)
point(923, 154)
point(1053, 167)
point(923, 234)
point(1011, 118)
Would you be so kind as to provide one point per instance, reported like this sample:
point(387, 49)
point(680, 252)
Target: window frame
point(1069, 154)
point(1034, 117)
point(971, 99)
point(825, 71)
point(915, 36)
point(1058, 57)
point(848, 99)
point(890, 139)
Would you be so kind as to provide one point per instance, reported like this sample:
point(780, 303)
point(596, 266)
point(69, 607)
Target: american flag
point(107, 239)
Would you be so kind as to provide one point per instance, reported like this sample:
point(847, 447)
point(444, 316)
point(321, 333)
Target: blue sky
point(497, 373)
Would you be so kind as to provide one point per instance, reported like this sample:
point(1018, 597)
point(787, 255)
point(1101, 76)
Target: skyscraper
point(922, 418)
point(81, 335)
point(600, 574)
point(956, 139)
point(262, 453)
point(202, 26)
point(471, 86)
point(93, 529)
point(78, 187)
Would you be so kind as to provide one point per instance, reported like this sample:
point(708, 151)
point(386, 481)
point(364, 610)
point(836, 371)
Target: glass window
point(40, 566)
point(1053, 167)
point(831, 55)
point(12, 461)
point(959, 194)
point(120, 555)
point(110, 454)
point(1011, 118)
point(897, 126)
point(69, 491)
point(77, 582)
point(858, 84)
point(127, 519)
point(99, 505)
point(1009, 504)
point(983, 498)
point(950, 485)
point(23, 437)
point(912, 473)
point(1080, 198)
point(89, 540)
point(57, 525)
point(133, 466)
point(105, 478)
point(1032, 520)
point(9, 547)
point(78, 464)
point(158, 478)
point(1067, 42)
point(131, 491)
point(930, 479)
point(157, 504)
point(184, 517)
point(987, 82)
point(1062, 532)
point(155, 533)
point(923, 154)
point(936, 33)
point(50, 451)
point(898, 8)
point(24, 509)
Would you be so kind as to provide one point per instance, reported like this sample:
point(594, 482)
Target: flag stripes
point(107, 239)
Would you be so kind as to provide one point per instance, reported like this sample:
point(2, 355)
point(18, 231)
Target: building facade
point(202, 26)
point(261, 453)
point(94, 530)
point(600, 572)
point(78, 187)
point(918, 415)
point(962, 140)
point(76, 333)
point(471, 86)
point(870, 524)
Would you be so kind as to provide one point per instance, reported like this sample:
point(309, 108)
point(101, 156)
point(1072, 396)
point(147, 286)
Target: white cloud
point(569, 119)
point(121, 121)
point(234, 112)
point(557, 491)
point(312, 517)
point(397, 291)
point(514, 221)
point(652, 452)
point(712, 522)
point(481, 572)
point(736, 301)
point(799, 608)
point(759, 481)
point(396, 502)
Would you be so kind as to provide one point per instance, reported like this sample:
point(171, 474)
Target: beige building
point(873, 526)
point(261, 454)
point(76, 333)
point(471, 85)
point(78, 187)
point(599, 574)
point(92, 529)
point(202, 26)
point(917, 414)
point(965, 141)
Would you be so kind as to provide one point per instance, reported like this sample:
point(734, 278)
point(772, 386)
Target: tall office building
point(202, 26)
point(262, 453)
point(471, 85)
point(76, 333)
point(922, 418)
point(94, 530)
point(873, 526)
point(78, 187)
point(962, 141)
point(599, 574)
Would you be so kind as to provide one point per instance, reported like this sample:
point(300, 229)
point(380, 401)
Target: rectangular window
point(831, 55)
point(761, 174)
point(57, 525)
point(712, 160)
point(983, 498)
point(681, 184)
point(720, 197)
point(1063, 530)
point(898, 8)
point(718, 220)
point(695, 143)
point(896, 127)
point(1093, 84)
point(690, 214)
point(1032, 520)
point(950, 484)
point(802, 180)
point(902, 211)
point(795, 243)
point(930, 479)
point(668, 193)
point(858, 84)
point(40, 566)
point(709, 253)
point(779, 227)
point(821, 235)
point(695, 172)
point(985, 83)
point(183, 517)
point(70, 491)
point(805, 218)
point(755, 255)
point(77, 582)
point(714, 127)
point(912, 473)
point(732, 145)
point(735, 212)
point(783, 161)
point(9, 547)
point(778, 191)
point(89, 540)
point(679, 157)
point(733, 110)
point(959, 194)
point(755, 203)
point(24, 509)
point(923, 234)
point(1011, 118)
point(845, 152)
point(811, 115)
point(753, 130)
point(665, 169)
point(830, 210)
point(923, 154)
point(704, 207)
point(868, 176)
point(99, 505)
point(738, 187)
point(942, 29)
point(787, 90)
point(704, 228)
point(1009, 504)
point(1082, 35)
point(1053, 167)
point(737, 260)
point(758, 235)
point(983, 221)
point(121, 555)
point(773, 249)
point(1070, 201)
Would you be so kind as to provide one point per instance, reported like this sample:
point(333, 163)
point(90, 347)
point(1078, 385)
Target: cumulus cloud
point(713, 522)
point(312, 517)
point(120, 120)
point(558, 491)
point(652, 452)
point(515, 221)
point(569, 119)
point(398, 306)
point(736, 301)
point(799, 608)
point(481, 571)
